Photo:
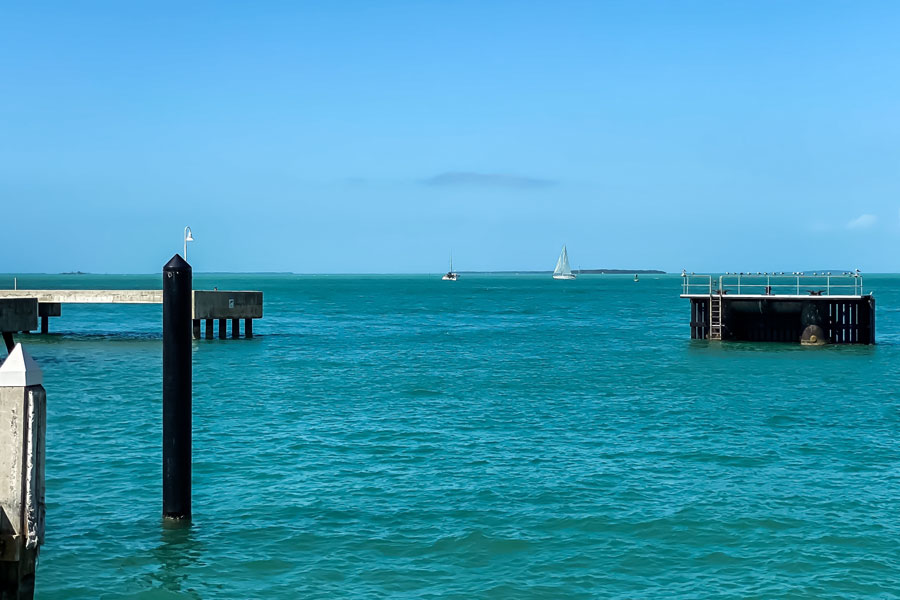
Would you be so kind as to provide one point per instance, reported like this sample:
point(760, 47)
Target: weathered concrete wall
point(23, 411)
point(18, 314)
point(88, 296)
point(49, 309)
point(219, 304)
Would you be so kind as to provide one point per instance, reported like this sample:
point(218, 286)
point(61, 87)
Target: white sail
point(562, 265)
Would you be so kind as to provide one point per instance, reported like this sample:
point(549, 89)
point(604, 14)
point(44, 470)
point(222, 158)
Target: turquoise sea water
point(497, 437)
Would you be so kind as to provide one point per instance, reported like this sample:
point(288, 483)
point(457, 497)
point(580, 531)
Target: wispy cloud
point(862, 222)
point(470, 179)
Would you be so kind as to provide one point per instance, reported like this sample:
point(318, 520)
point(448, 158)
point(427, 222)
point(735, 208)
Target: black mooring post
point(176, 454)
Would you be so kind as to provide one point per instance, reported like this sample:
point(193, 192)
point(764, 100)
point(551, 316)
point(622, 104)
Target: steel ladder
point(715, 316)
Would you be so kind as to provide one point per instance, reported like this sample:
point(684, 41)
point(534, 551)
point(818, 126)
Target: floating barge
point(810, 309)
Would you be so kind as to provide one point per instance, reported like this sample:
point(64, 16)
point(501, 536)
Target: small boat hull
point(565, 276)
point(450, 277)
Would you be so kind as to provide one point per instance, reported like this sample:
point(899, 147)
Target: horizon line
point(475, 271)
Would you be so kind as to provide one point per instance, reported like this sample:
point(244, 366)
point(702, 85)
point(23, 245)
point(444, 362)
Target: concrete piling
point(223, 331)
point(248, 328)
point(177, 399)
point(235, 328)
point(209, 329)
point(47, 310)
point(195, 328)
point(23, 426)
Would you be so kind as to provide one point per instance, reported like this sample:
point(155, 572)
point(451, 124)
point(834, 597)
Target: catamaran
point(451, 274)
point(563, 270)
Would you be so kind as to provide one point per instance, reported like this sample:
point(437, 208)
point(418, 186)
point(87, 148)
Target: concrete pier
point(809, 309)
point(87, 296)
point(23, 425)
point(206, 305)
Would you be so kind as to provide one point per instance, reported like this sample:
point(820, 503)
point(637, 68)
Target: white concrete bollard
point(23, 426)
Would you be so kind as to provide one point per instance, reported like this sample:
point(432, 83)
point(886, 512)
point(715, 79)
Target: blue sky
point(375, 136)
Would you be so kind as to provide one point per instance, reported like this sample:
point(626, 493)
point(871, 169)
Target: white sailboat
point(451, 274)
point(563, 270)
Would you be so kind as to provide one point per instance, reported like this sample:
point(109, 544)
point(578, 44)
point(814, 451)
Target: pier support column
point(8, 340)
point(23, 427)
point(176, 451)
point(248, 328)
point(209, 329)
point(47, 310)
point(235, 328)
point(223, 329)
point(195, 326)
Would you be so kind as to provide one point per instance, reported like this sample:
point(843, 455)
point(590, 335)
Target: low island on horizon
point(618, 272)
point(577, 272)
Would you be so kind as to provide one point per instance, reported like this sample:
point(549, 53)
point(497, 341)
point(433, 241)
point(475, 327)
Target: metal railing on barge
point(773, 284)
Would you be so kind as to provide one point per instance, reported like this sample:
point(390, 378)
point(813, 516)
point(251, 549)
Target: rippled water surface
point(497, 437)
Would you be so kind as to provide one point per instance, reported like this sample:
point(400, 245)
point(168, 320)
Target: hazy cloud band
point(470, 179)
